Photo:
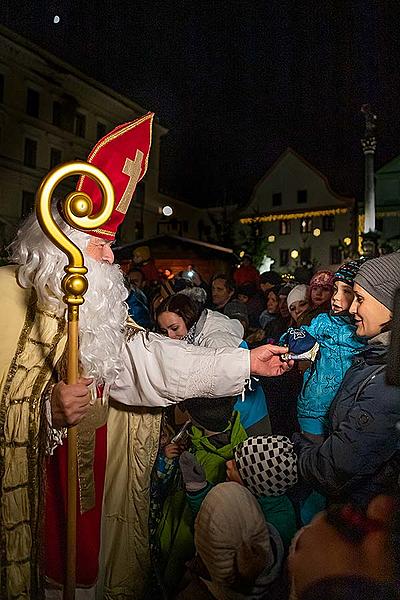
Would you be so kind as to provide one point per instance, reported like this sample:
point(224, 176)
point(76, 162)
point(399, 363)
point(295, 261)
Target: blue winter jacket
point(338, 345)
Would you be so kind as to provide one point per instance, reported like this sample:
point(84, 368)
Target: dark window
point(301, 196)
point(101, 130)
point(57, 113)
point(28, 201)
point(379, 224)
point(80, 125)
point(277, 199)
point(1, 87)
point(328, 223)
point(138, 198)
point(284, 227)
point(55, 157)
point(283, 258)
point(32, 103)
point(336, 255)
point(139, 230)
point(306, 225)
point(30, 151)
point(305, 255)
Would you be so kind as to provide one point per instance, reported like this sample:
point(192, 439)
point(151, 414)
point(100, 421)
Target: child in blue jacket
point(338, 343)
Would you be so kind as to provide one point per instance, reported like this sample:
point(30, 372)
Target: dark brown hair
point(229, 283)
point(182, 306)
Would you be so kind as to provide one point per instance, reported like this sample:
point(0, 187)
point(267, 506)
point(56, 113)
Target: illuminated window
point(306, 225)
point(284, 227)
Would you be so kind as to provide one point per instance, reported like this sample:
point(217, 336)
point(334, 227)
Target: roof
point(174, 239)
point(290, 151)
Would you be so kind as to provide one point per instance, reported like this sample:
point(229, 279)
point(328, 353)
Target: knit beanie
point(212, 414)
point(298, 293)
point(380, 277)
point(231, 534)
point(267, 465)
point(349, 270)
point(236, 310)
point(323, 279)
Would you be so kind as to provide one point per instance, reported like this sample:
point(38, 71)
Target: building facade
point(388, 203)
point(51, 113)
point(303, 220)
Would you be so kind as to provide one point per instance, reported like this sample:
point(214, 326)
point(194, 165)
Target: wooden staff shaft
point(72, 376)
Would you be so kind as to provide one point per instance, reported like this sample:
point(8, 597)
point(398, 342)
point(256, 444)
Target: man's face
point(220, 293)
point(100, 250)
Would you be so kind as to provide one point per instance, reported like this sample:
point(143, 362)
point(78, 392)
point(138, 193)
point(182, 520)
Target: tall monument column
point(368, 143)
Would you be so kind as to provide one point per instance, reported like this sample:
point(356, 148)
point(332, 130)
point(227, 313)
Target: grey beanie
point(380, 277)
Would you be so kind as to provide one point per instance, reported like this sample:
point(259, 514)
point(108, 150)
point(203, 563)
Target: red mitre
point(123, 156)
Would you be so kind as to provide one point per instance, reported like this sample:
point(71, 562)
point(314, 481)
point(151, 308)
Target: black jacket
point(360, 457)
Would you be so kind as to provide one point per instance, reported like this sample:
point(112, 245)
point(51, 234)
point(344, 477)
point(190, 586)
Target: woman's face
point(320, 294)
point(297, 308)
point(369, 314)
point(220, 293)
point(172, 325)
point(283, 307)
point(272, 303)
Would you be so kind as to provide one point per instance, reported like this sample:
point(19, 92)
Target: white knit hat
point(298, 293)
point(231, 534)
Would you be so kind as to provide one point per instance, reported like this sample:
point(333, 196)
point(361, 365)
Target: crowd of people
point(237, 438)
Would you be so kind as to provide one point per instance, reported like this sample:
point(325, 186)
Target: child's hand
point(172, 450)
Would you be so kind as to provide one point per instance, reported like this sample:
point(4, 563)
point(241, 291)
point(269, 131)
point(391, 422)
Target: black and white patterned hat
point(267, 464)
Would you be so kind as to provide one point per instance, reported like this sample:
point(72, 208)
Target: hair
point(104, 312)
point(229, 283)
point(181, 305)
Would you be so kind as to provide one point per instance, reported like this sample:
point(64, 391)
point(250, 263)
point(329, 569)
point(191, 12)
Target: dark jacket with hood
point(360, 457)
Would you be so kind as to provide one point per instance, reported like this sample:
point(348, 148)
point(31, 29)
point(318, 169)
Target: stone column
point(368, 143)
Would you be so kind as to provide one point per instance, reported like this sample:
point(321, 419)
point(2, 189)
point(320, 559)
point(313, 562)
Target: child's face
point(297, 308)
point(342, 298)
point(320, 294)
point(232, 473)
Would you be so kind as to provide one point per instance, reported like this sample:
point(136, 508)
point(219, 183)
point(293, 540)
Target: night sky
point(236, 82)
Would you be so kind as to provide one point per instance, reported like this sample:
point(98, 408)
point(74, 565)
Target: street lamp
point(294, 254)
point(316, 232)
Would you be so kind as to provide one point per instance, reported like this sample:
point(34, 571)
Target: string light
point(289, 216)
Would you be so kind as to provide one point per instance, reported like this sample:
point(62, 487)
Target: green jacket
point(175, 531)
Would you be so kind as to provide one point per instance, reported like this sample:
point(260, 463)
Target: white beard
point(102, 319)
point(102, 315)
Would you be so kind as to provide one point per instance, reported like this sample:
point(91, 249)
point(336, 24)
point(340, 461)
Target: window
point(32, 103)
point(284, 227)
point(283, 258)
point(306, 225)
point(328, 223)
point(336, 255)
point(277, 199)
point(57, 113)
point(55, 157)
point(305, 255)
point(301, 196)
point(101, 130)
point(379, 224)
point(80, 125)
point(28, 201)
point(30, 151)
point(1, 87)
point(138, 198)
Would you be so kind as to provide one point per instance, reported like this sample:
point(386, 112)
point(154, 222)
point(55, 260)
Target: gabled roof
point(393, 166)
point(289, 151)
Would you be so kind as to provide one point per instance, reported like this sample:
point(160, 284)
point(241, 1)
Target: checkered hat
point(267, 464)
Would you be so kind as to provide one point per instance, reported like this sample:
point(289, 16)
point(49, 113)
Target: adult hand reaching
point(266, 361)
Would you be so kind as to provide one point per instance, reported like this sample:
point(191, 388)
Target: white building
point(51, 113)
point(303, 219)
